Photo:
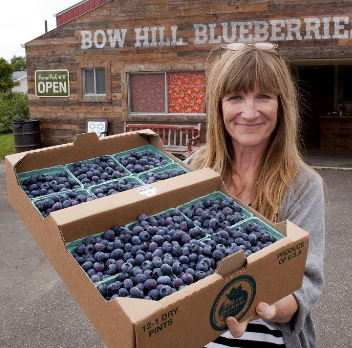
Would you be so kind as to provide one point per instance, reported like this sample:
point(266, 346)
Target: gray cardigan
point(303, 204)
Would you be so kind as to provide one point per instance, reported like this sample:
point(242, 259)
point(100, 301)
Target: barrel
point(26, 135)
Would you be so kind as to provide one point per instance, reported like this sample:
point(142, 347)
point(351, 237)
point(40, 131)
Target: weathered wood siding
point(62, 118)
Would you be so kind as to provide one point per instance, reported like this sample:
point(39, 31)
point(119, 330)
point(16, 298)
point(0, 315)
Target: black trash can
point(26, 135)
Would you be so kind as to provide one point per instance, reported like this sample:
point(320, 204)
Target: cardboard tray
point(191, 317)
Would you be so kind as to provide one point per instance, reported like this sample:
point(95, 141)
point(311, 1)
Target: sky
point(23, 20)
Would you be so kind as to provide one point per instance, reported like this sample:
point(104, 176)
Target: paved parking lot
point(37, 310)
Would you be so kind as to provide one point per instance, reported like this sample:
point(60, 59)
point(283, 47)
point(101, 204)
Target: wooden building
point(145, 61)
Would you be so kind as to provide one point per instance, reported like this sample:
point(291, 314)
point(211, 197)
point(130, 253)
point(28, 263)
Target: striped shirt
point(259, 334)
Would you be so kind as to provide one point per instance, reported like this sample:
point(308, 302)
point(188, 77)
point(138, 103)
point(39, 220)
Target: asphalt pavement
point(37, 310)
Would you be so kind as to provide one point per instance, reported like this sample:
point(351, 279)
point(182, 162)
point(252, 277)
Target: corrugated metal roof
point(77, 10)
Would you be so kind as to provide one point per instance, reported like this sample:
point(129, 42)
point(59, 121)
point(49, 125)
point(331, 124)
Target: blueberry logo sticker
point(234, 300)
point(148, 190)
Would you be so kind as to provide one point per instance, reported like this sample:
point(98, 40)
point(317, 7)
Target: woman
point(252, 141)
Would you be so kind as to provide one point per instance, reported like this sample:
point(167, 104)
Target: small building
point(146, 62)
point(21, 78)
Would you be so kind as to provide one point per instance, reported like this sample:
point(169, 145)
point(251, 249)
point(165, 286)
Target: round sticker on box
point(234, 300)
point(148, 190)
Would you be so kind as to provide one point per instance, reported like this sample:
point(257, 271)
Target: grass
point(7, 145)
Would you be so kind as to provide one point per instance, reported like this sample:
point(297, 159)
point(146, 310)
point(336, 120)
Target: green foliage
point(6, 71)
point(19, 63)
point(13, 106)
point(7, 145)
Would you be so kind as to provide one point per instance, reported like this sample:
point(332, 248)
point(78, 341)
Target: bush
point(13, 107)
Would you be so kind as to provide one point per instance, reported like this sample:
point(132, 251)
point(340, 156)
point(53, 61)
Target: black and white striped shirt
point(259, 334)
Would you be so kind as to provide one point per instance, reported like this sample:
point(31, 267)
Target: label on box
point(234, 300)
point(148, 190)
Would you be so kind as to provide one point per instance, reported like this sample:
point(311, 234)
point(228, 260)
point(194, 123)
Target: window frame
point(94, 98)
point(157, 68)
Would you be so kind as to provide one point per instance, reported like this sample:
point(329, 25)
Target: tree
point(13, 107)
point(19, 63)
point(6, 71)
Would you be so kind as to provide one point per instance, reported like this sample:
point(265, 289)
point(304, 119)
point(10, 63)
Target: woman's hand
point(279, 312)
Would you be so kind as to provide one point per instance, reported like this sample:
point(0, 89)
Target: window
point(94, 81)
point(167, 92)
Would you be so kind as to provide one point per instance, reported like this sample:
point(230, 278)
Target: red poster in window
point(147, 92)
point(186, 92)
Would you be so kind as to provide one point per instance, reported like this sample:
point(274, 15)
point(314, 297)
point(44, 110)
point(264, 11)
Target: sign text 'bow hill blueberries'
point(291, 29)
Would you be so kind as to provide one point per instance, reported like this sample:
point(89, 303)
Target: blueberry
point(57, 206)
point(80, 248)
point(176, 268)
point(128, 284)
point(157, 273)
point(113, 288)
point(117, 253)
point(158, 252)
point(157, 262)
point(123, 292)
point(136, 240)
point(109, 235)
point(144, 236)
point(190, 271)
point(217, 255)
point(112, 269)
point(139, 259)
point(177, 283)
point(166, 269)
point(165, 291)
point(98, 266)
point(202, 266)
point(164, 280)
point(184, 259)
point(95, 278)
point(158, 239)
point(192, 258)
point(153, 294)
point(150, 284)
point(147, 265)
point(126, 268)
point(102, 288)
point(89, 249)
point(200, 275)
point(187, 278)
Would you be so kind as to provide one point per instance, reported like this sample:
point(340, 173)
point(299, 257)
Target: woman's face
point(250, 118)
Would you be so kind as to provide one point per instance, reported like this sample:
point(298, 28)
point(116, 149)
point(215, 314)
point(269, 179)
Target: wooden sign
point(52, 83)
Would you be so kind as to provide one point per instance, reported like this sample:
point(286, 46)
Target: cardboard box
point(191, 317)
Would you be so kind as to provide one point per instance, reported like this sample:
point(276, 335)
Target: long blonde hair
point(242, 71)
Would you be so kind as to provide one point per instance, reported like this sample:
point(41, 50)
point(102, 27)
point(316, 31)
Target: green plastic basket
point(149, 148)
point(130, 179)
point(107, 280)
point(72, 246)
point(70, 165)
point(163, 169)
point(277, 235)
point(212, 196)
point(79, 191)
point(47, 171)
